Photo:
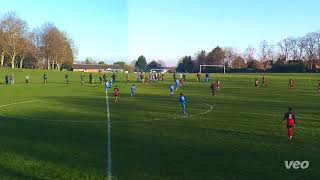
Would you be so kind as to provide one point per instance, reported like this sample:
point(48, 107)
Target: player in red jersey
point(291, 85)
point(290, 121)
point(218, 85)
point(116, 93)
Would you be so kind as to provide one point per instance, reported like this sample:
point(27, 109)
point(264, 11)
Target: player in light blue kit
point(183, 101)
point(171, 89)
point(133, 89)
point(108, 86)
point(177, 84)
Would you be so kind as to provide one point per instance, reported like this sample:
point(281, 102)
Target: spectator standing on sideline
point(82, 78)
point(66, 78)
point(104, 78)
point(45, 78)
point(7, 79)
point(100, 78)
point(90, 78)
point(12, 78)
point(26, 79)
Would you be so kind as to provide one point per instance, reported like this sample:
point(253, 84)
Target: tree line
point(44, 47)
point(141, 64)
point(293, 54)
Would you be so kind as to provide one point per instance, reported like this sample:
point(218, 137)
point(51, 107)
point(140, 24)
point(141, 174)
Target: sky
point(98, 27)
point(113, 30)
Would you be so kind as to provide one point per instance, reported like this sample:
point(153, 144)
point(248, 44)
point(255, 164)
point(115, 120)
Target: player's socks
point(290, 133)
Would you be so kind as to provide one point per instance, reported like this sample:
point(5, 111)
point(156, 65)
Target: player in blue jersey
point(133, 89)
point(108, 86)
point(177, 84)
point(183, 101)
point(171, 89)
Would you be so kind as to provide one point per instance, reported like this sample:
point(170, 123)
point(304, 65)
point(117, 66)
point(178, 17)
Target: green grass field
point(59, 131)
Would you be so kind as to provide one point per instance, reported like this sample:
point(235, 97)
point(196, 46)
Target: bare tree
point(58, 50)
point(249, 53)
point(14, 29)
point(230, 55)
point(265, 51)
point(285, 48)
point(2, 46)
point(239, 63)
point(317, 42)
point(26, 49)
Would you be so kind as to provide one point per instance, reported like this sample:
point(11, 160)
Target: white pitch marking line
point(109, 148)
point(5, 105)
point(211, 108)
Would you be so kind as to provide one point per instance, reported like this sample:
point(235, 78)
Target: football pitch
point(59, 130)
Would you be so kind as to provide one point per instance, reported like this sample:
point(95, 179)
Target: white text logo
point(296, 164)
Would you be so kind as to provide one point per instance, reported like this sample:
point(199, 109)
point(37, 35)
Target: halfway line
point(109, 140)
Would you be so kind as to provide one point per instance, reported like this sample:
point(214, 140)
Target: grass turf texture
point(62, 133)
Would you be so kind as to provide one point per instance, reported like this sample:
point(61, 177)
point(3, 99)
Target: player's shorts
point(183, 106)
point(291, 87)
point(289, 126)
point(290, 122)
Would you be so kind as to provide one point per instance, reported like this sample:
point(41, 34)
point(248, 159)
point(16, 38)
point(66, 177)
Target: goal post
point(158, 70)
point(222, 66)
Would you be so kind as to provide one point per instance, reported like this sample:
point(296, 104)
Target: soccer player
point(108, 86)
point(212, 87)
point(198, 77)
point(116, 93)
point(113, 77)
point(183, 101)
point(256, 83)
point(217, 85)
point(291, 85)
point(171, 89)
point(290, 120)
point(177, 84)
point(174, 76)
point(207, 77)
point(133, 89)
point(319, 86)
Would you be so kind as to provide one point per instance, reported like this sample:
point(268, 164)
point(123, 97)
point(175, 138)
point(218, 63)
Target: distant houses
point(97, 68)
